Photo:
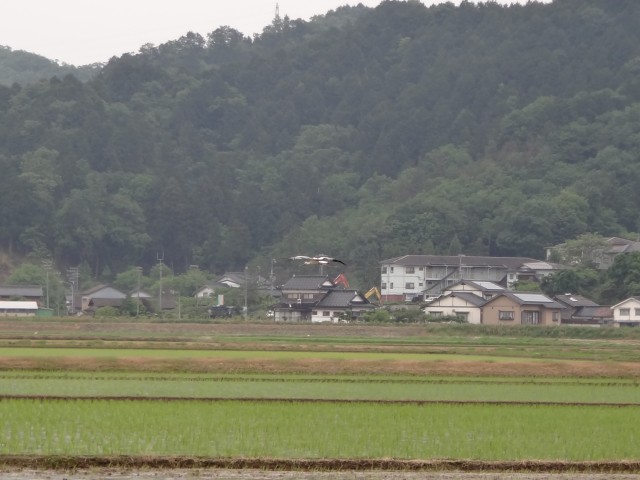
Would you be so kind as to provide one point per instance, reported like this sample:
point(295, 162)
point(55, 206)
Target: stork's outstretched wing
point(324, 260)
point(300, 257)
point(317, 260)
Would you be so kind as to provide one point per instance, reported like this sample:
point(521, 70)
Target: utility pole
point(246, 291)
point(73, 275)
point(139, 270)
point(160, 263)
point(47, 264)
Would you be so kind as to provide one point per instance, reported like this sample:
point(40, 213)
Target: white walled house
point(206, 291)
point(410, 277)
point(627, 312)
point(467, 305)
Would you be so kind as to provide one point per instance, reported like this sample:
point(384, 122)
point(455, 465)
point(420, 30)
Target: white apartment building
point(409, 277)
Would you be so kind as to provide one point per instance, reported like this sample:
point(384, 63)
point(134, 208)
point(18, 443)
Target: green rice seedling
point(318, 430)
point(320, 387)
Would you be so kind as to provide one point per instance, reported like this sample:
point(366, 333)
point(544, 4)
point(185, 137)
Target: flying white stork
point(317, 260)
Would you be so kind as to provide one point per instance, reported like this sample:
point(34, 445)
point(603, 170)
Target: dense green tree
point(586, 250)
point(623, 278)
point(367, 133)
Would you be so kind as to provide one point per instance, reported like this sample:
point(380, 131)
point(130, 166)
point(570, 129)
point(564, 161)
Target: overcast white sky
point(80, 32)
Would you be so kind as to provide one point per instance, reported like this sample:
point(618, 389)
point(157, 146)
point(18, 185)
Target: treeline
point(18, 66)
point(364, 133)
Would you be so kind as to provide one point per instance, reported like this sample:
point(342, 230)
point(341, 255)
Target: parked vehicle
point(221, 311)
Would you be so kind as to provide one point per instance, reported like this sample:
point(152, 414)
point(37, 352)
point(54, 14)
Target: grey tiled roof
point(342, 299)
point(470, 297)
point(21, 291)
point(534, 298)
point(464, 260)
point(482, 285)
point(575, 300)
point(594, 312)
point(307, 282)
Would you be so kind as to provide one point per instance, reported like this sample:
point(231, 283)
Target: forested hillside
point(364, 133)
point(18, 66)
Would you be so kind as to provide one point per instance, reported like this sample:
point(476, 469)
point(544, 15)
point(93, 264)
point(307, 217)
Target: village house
point(340, 305)
point(627, 313)
point(483, 289)
point(580, 310)
point(602, 258)
point(317, 298)
point(101, 296)
point(18, 308)
point(422, 277)
point(465, 305)
point(518, 308)
point(22, 292)
point(299, 295)
point(206, 291)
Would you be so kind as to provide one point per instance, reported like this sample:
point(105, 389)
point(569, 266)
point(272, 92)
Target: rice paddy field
point(234, 400)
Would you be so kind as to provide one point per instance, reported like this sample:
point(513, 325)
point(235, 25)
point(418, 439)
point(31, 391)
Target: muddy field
point(238, 336)
point(160, 330)
point(161, 468)
point(518, 368)
point(208, 474)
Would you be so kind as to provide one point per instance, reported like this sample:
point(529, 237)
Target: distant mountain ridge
point(21, 67)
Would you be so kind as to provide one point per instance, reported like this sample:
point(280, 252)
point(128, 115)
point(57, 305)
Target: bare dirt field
point(302, 337)
point(217, 474)
point(564, 368)
point(161, 468)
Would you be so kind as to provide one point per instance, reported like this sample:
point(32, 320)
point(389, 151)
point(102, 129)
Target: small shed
point(10, 308)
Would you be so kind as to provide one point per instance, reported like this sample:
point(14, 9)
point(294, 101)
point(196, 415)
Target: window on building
point(421, 268)
point(556, 316)
point(625, 312)
point(384, 269)
point(410, 270)
point(391, 269)
point(506, 315)
point(391, 286)
point(637, 313)
point(435, 314)
point(292, 295)
point(308, 295)
point(314, 313)
point(464, 316)
point(326, 313)
point(530, 317)
point(409, 285)
point(384, 285)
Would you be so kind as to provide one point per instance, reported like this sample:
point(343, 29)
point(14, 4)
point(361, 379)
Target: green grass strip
point(170, 354)
point(334, 388)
